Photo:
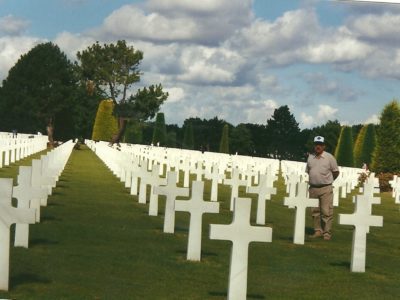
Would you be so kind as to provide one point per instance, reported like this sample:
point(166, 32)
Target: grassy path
point(96, 242)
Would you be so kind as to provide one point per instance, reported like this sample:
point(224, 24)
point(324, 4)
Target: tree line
point(89, 98)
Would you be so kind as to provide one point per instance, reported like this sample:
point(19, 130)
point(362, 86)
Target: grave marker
point(9, 215)
point(235, 182)
point(361, 219)
point(264, 193)
point(28, 197)
point(171, 192)
point(300, 202)
point(241, 233)
point(196, 206)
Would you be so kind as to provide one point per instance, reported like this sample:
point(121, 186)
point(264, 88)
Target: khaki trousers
point(322, 215)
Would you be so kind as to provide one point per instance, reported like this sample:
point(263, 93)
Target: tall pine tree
point(160, 130)
point(224, 144)
point(386, 156)
point(344, 149)
point(188, 139)
point(365, 145)
point(284, 135)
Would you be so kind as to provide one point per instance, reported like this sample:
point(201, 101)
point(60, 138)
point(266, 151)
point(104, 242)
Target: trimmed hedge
point(106, 124)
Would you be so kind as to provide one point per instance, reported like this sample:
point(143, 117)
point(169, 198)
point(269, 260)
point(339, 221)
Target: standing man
point(322, 169)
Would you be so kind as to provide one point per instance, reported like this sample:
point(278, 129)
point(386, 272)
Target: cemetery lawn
point(96, 242)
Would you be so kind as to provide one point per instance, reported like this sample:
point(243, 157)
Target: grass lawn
point(11, 171)
point(96, 242)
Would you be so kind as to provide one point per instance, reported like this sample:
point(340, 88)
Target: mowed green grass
point(96, 242)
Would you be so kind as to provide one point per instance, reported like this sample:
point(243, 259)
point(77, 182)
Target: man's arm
point(335, 174)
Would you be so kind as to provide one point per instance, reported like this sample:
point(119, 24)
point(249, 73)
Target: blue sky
point(235, 59)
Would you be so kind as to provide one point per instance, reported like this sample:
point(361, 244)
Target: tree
point(344, 149)
point(260, 139)
point(330, 131)
point(386, 157)
point(284, 135)
point(42, 90)
point(133, 133)
point(112, 69)
point(171, 139)
point(365, 145)
point(105, 123)
point(224, 144)
point(188, 139)
point(160, 130)
point(241, 140)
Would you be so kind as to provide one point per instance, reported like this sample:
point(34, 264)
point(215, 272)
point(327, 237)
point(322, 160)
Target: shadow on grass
point(57, 193)
point(181, 229)
point(342, 264)
point(54, 204)
point(40, 242)
point(26, 278)
point(309, 230)
point(225, 294)
point(45, 219)
point(203, 253)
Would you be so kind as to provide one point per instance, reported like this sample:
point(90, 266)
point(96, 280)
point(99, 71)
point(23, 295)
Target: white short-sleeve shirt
point(320, 168)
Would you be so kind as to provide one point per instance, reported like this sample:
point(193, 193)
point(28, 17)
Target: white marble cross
point(199, 171)
point(361, 219)
point(171, 191)
point(241, 233)
point(264, 193)
point(215, 177)
point(40, 179)
point(185, 167)
point(235, 182)
point(155, 180)
point(135, 169)
point(301, 202)
point(145, 177)
point(196, 206)
point(9, 215)
point(28, 197)
point(291, 183)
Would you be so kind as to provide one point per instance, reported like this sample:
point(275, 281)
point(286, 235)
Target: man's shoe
point(327, 237)
point(317, 234)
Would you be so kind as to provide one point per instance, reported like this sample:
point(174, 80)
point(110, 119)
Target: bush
point(384, 179)
point(105, 125)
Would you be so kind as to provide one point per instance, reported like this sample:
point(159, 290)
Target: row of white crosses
point(13, 149)
point(361, 219)
point(196, 206)
point(395, 185)
point(240, 232)
point(294, 172)
point(35, 183)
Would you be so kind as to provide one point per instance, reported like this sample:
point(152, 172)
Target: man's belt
point(320, 185)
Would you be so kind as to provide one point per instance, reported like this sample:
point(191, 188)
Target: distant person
point(14, 133)
point(322, 169)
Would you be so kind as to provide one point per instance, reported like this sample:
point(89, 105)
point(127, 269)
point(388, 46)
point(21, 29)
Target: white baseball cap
point(319, 139)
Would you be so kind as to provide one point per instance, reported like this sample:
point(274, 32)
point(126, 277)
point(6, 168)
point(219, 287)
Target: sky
point(238, 60)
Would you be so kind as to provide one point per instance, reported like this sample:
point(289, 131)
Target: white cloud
point(176, 94)
point(374, 119)
point(12, 25)
point(306, 120)
point(72, 43)
point(11, 49)
point(383, 27)
point(326, 112)
point(205, 65)
point(205, 22)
